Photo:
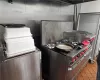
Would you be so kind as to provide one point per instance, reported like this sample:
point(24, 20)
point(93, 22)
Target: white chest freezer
point(19, 41)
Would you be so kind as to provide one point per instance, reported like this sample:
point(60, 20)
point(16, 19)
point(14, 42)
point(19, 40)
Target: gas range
point(78, 50)
point(66, 42)
point(67, 63)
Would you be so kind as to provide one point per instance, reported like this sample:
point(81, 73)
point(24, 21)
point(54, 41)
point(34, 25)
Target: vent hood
point(76, 1)
point(69, 1)
point(52, 1)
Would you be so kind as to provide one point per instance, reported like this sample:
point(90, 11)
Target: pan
point(64, 47)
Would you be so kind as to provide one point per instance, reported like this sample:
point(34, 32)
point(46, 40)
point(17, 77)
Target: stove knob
point(73, 59)
point(82, 53)
point(76, 58)
point(86, 49)
point(78, 55)
point(92, 39)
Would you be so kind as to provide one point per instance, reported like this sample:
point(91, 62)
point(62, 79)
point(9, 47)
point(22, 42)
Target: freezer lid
point(17, 32)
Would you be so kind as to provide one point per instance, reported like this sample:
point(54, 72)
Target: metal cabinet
point(25, 67)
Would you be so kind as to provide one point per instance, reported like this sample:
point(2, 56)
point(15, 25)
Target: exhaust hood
point(68, 1)
point(53, 1)
point(77, 1)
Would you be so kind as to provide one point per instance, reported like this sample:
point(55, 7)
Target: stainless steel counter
point(23, 67)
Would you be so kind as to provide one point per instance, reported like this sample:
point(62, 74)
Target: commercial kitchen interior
point(49, 39)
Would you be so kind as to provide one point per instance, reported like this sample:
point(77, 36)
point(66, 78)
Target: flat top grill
point(76, 52)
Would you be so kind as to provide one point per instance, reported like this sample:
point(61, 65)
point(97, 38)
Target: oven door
point(73, 71)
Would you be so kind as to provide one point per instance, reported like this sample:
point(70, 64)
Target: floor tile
point(88, 73)
point(85, 78)
point(92, 78)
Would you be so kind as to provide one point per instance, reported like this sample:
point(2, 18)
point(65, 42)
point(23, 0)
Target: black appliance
point(59, 64)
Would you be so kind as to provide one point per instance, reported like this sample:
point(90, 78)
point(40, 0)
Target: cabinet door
point(25, 67)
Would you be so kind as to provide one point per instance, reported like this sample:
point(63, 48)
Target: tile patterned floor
point(88, 72)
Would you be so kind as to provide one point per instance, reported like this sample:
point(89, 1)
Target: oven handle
point(88, 52)
point(71, 68)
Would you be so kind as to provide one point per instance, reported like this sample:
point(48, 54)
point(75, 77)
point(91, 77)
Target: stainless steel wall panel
point(68, 18)
point(20, 12)
point(89, 18)
point(88, 27)
point(90, 7)
point(12, 13)
point(52, 31)
point(34, 27)
point(49, 12)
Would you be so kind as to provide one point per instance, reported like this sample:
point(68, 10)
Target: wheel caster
point(91, 61)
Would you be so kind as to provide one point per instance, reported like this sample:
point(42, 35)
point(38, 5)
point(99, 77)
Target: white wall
point(89, 7)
